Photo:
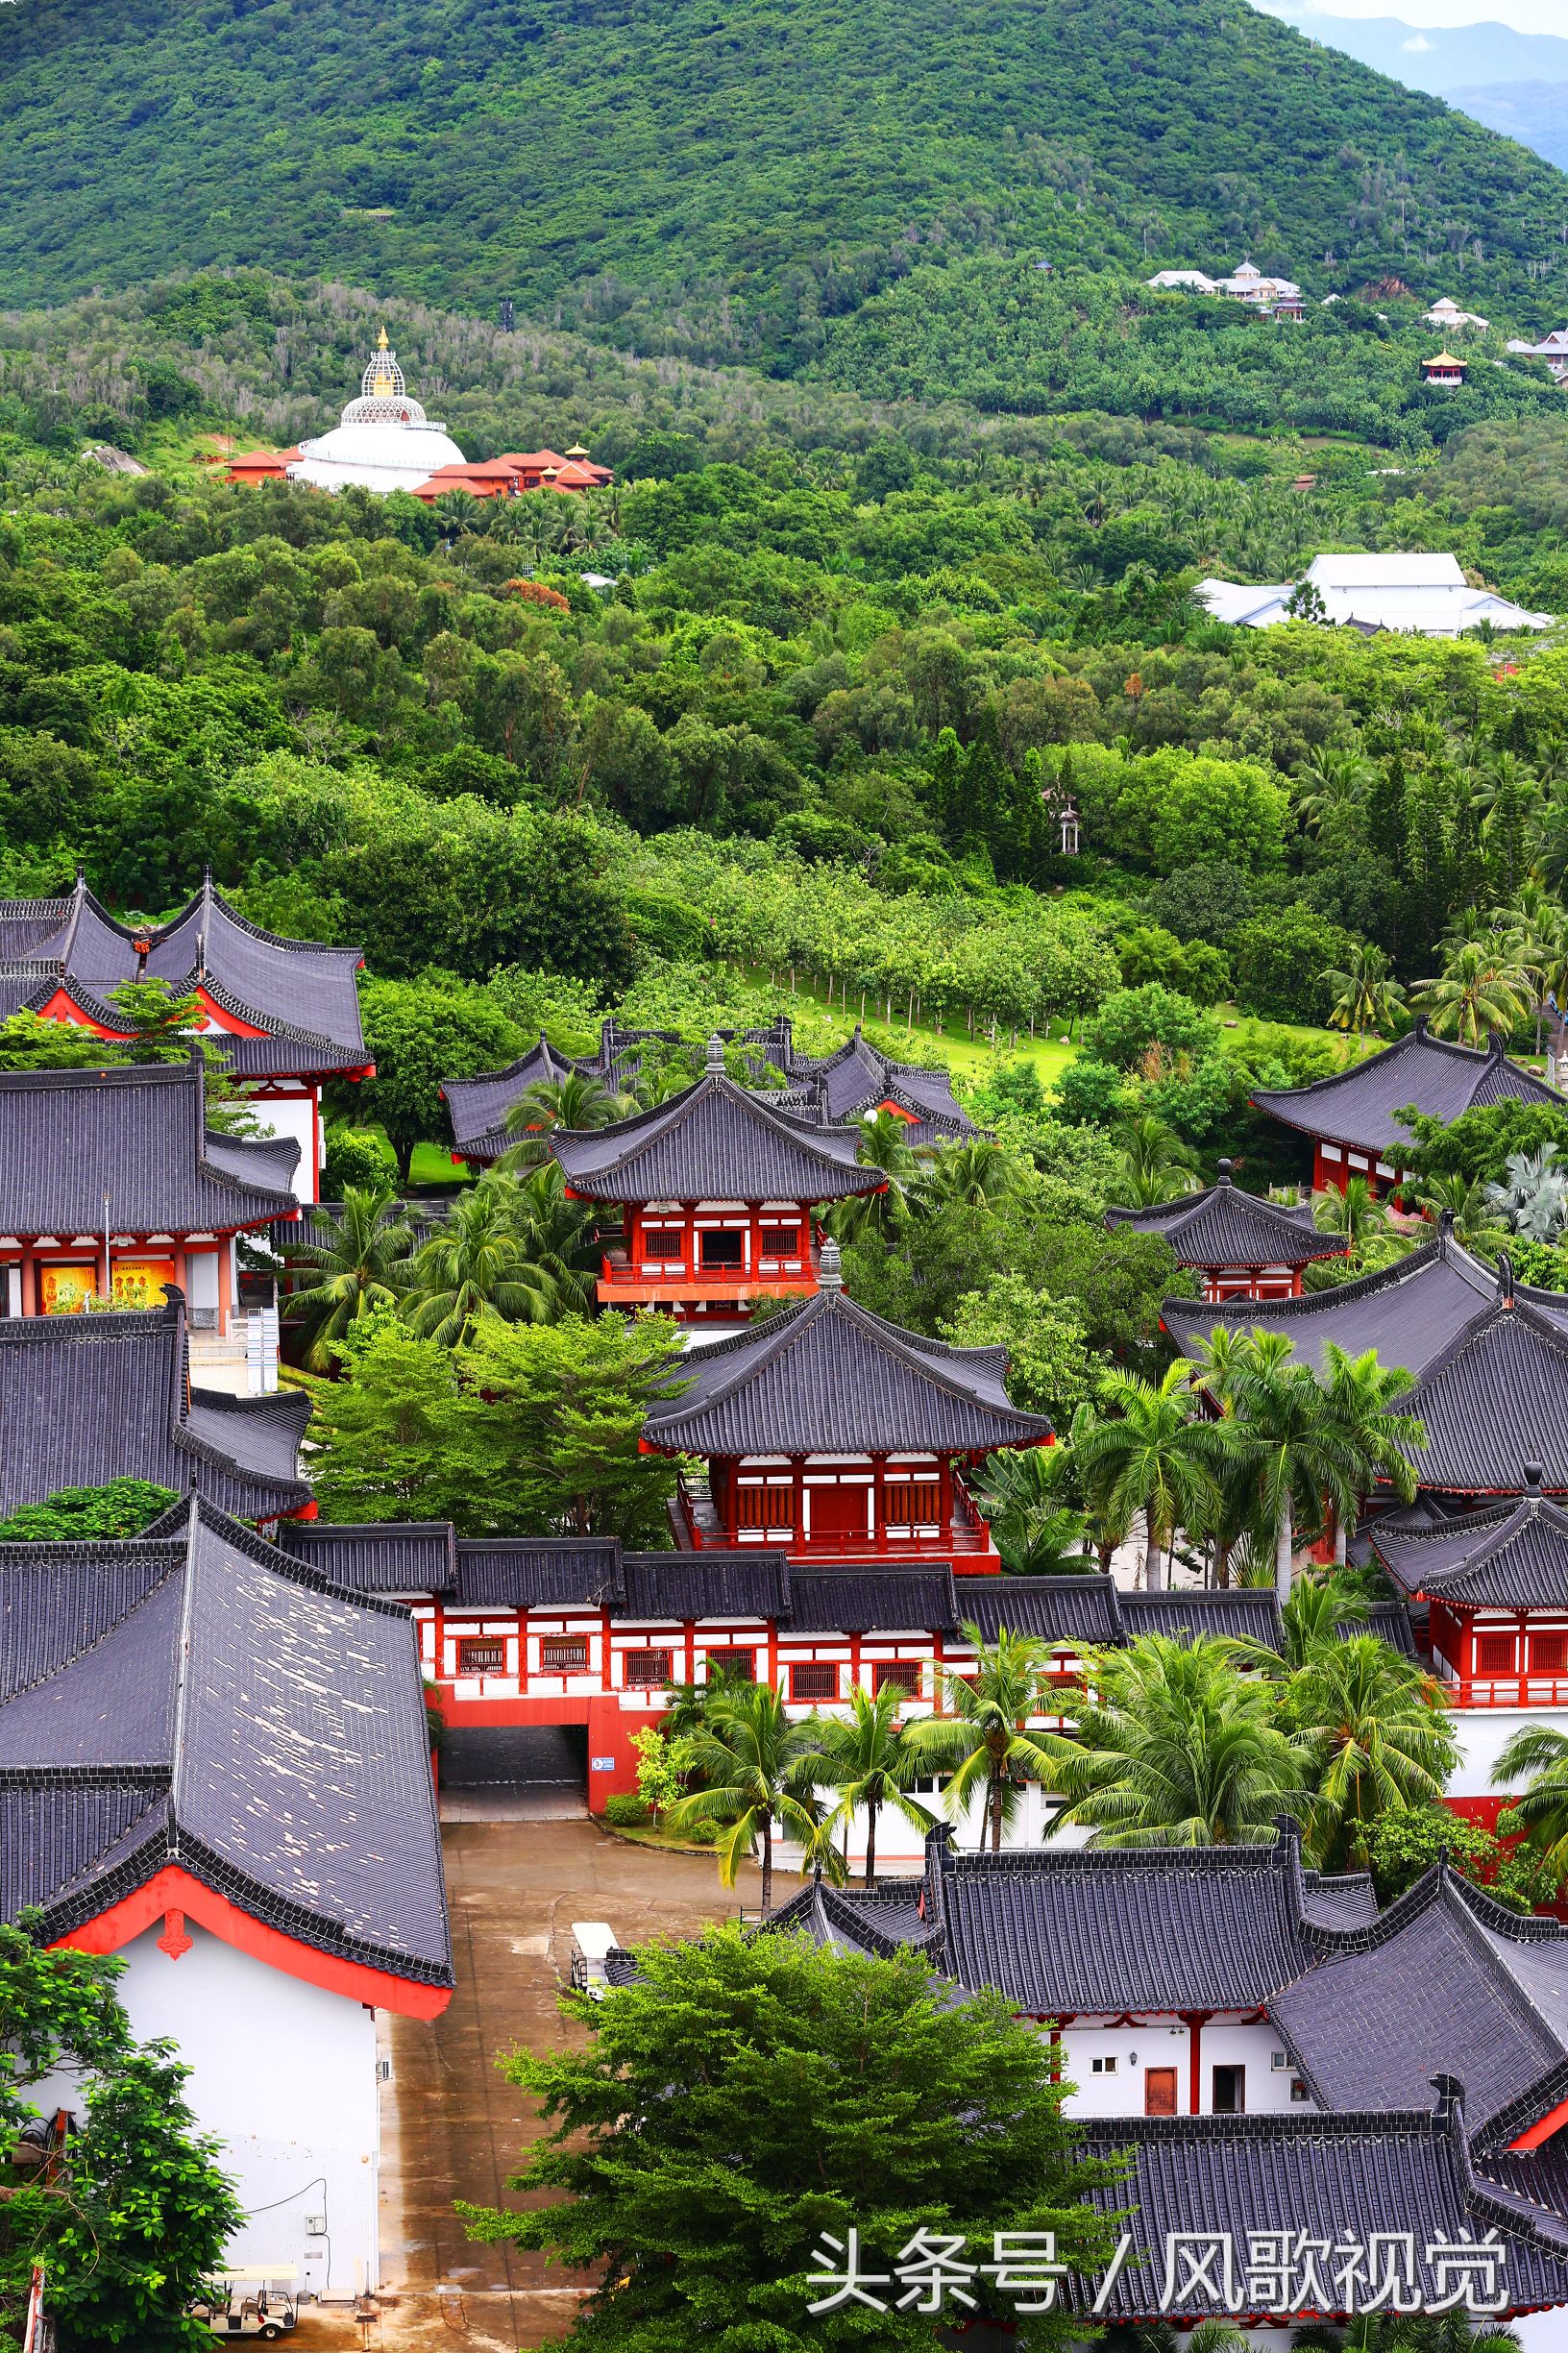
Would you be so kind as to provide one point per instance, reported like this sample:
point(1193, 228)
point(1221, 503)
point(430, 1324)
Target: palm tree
point(1483, 992)
point(1024, 1493)
point(1361, 1395)
point(975, 1175)
point(1476, 1223)
point(1155, 1162)
point(362, 1263)
point(1378, 1732)
point(1448, 2332)
point(884, 1143)
point(983, 1737)
point(557, 1237)
point(1155, 1457)
point(1297, 1455)
point(1542, 1812)
point(577, 1101)
point(871, 1762)
point(476, 1264)
point(1364, 995)
point(1177, 1750)
point(758, 1766)
point(1371, 1241)
point(1312, 1617)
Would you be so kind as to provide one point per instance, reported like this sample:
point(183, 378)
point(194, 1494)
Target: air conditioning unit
point(315, 2226)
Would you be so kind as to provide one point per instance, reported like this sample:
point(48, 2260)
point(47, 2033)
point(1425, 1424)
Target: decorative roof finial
point(381, 343)
point(1224, 1176)
point(1532, 1482)
point(830, 1270)
point(1445, 1224)
point(715, 1056)
point(1505, 1280)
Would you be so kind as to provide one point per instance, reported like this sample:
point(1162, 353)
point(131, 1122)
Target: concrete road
point(452, 2126)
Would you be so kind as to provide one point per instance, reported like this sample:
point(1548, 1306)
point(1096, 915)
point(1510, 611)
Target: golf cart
point(249, 2301)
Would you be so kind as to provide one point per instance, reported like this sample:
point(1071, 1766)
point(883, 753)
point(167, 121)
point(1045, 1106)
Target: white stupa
point(383, 439)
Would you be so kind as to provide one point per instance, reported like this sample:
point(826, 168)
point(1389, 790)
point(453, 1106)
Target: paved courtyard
point(452, 2126)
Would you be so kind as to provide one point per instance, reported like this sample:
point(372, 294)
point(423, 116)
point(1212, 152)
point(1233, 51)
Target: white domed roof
point(383, 442)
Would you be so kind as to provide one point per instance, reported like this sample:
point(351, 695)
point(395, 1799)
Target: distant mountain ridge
point(728, 178)
point(1514, 82)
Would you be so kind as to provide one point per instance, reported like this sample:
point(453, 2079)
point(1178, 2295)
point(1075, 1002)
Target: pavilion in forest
point(1352, 1118)
point(283, 1014)
point(716, 1189)
point(1242, 1246)
point(828, 1433)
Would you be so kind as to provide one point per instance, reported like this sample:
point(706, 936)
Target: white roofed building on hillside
point(1426, 596)
point(1182, 282)
point(1445, 312)
point(384, 441)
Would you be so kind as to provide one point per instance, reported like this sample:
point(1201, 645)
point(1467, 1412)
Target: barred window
point(1548, 1654)
point(898, 1673)
point(765, 1507)
point(643, 1669)
point(564, 1655)
point(814, 1683)
point(1494, 1655)
point(486, 1656)
point(912, 1503)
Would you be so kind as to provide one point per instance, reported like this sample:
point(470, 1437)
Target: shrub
point(625, 1811)
point(355, 1157)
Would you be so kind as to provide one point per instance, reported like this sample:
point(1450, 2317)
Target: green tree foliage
point(84, 1515)
point(420, 1034)
point(785, 2093)
point(137, 2220)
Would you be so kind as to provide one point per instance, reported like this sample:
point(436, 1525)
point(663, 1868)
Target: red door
point(1159, 2091)
point(838, 1515)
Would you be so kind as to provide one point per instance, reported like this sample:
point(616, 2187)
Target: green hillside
point(729, 177)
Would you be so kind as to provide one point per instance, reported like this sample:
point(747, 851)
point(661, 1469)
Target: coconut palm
point(1312, 1619)
point(557, 1237)
point(1376, 1729)
point(1150, 1455)
point(757, 1766)
point(474, 1265)
point(1483, 992)
point(1176, 1749)
point(577, 1101)
point(1364, 995)
point(1024, 1492)
point(884, 1143)
point(1298, 1457)
point(869, 1761)
point(975, 1175)
point(1474, 1220)
point(1448, 2332)
point(1542, 1812)
point(1155, 1164)
point(982, 1738)
point(360, 1262)
point(1371, 1239)
point(1362, 1396)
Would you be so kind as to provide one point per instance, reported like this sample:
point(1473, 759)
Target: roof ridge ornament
point(1223, 1176)
point(715, 1061)
point(1505, 1280)
point(1533, 1482)
point(830, 1270)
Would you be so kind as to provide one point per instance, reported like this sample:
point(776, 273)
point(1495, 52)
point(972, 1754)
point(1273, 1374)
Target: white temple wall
point(1483, 1733)
point(285, 2073)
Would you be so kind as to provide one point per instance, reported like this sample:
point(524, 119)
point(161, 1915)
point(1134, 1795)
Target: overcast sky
point(1525, 15)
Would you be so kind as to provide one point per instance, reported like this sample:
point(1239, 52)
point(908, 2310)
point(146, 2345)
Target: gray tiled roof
point(1079, 1611)
point(478, 1106)
point(1358, 1106)
point(830, 1376)
point(1343, 2180)
point(376, 1556)
point(1446, 1980)
point(1077, 1931)
point(706, 1585)
point(859, 1077)
point(1510, 1556)
point(713, 1141)
point(89, 1398)
point(277, 1739)
point(1497, 1383)
point(857, 1600)
point(1407, 1311)
point(1224, 1226)
point(300, 995)
point(1239, 1614)
point(134, 1138)
point(529, 1573)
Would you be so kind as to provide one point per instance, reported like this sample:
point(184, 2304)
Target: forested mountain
point(729, 178)
point(1516, 82)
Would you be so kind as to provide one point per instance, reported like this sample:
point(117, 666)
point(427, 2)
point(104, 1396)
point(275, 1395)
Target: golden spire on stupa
point(381, 386)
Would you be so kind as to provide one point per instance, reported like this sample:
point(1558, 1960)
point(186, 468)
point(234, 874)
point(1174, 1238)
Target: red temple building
point(112, 1186)
point(1242, 1246)
point(1352, 1119)
point(830, 1433)
point(283, 1013)
point(716, 1191)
